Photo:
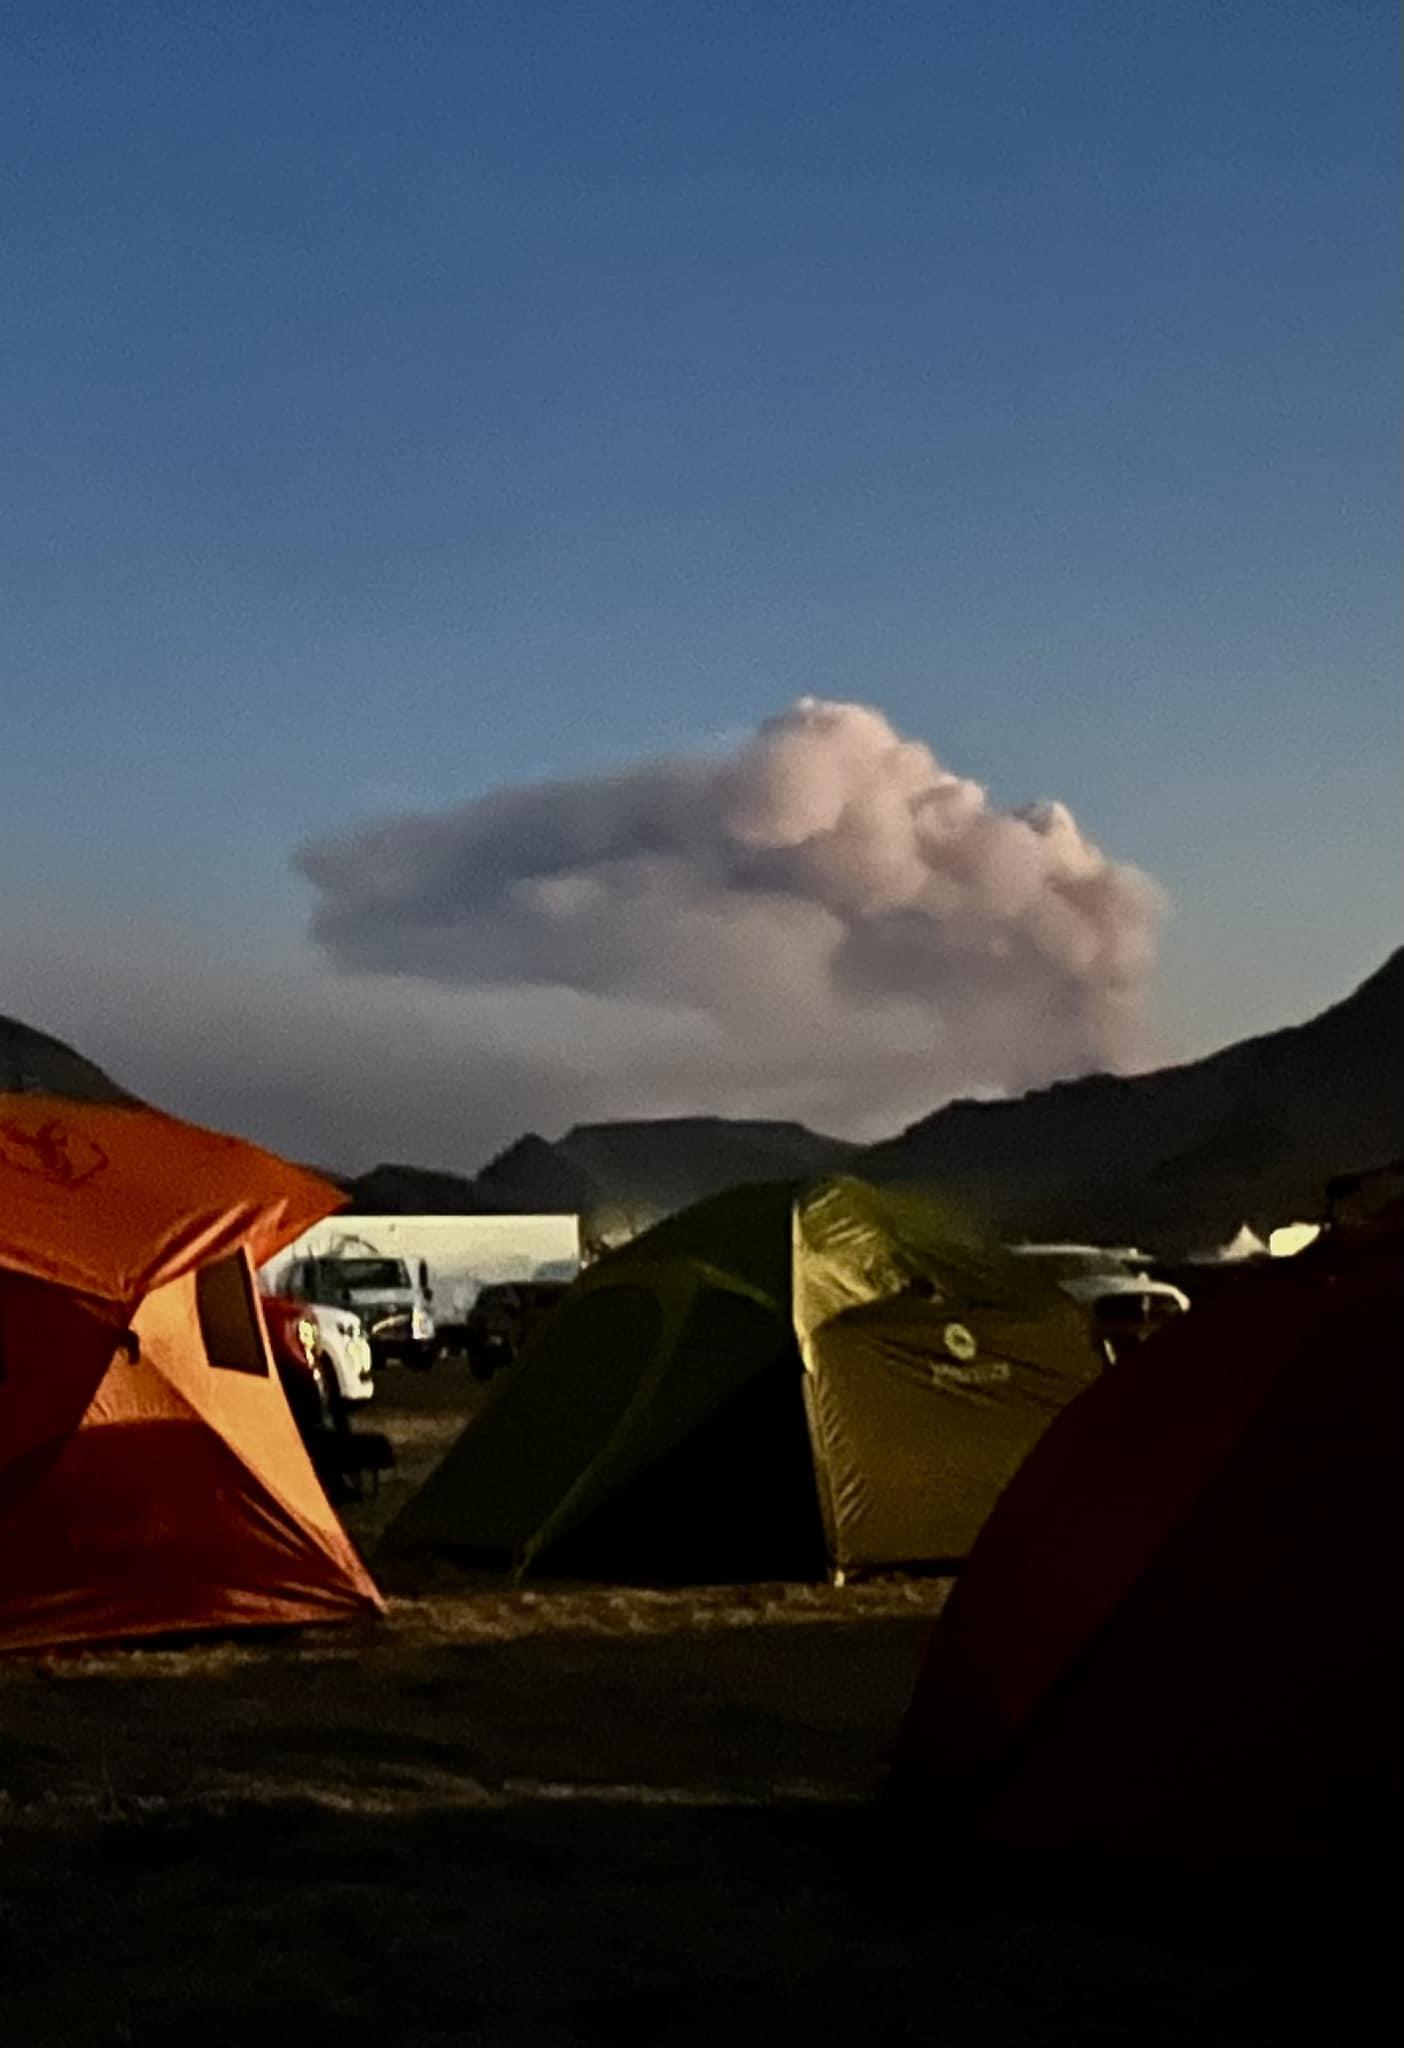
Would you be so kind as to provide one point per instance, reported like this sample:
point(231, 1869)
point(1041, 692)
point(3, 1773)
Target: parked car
point(502, 1319)
point(1125, 1309)
point(1111, 1285)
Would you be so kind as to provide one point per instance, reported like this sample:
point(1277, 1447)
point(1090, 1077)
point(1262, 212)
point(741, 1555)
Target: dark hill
point(622, 1174)
point(389, 1190)
point(659, 1166)
point(534, 1176)
point(31, 1062)
point(1188, 1153)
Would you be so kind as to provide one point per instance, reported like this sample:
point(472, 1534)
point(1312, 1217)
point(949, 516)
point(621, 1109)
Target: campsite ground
point(557, 1816)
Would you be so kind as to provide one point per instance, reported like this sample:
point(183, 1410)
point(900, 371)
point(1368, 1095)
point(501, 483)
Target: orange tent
point(114, 1198)
point(1175, 1644)
point(151, 1476)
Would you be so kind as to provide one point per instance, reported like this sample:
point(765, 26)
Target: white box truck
point(413, 1280)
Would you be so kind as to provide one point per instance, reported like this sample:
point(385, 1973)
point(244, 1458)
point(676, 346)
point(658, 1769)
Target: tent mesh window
point(228, 1319)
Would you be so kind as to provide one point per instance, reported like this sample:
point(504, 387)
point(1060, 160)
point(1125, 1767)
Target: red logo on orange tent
point(53, 1152)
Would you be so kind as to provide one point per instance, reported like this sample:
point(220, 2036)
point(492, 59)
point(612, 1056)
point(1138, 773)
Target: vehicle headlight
point(308, 1336)
point(421, 1325)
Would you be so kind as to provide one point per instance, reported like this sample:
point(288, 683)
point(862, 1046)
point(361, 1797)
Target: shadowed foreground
point(568, 1817)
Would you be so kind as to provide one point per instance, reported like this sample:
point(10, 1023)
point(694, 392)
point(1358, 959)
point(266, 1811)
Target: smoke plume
point(823, 922)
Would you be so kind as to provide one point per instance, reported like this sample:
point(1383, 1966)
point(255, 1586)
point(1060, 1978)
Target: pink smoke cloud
point(824, 921)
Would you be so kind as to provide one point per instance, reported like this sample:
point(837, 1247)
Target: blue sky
point(401, 402)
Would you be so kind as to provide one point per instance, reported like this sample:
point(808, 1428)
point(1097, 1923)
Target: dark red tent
point(1175, 1644)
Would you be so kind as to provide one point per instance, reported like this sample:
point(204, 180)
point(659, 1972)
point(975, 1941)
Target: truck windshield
point(368, 1272)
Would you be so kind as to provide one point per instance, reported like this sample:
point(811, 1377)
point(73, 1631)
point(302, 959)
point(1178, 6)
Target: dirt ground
point(565, 1815)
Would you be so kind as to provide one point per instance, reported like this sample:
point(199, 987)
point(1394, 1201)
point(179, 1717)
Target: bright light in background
point(1291, 1238)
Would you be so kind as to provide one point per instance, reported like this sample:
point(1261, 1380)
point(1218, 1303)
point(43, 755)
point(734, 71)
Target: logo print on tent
point(53, 1153)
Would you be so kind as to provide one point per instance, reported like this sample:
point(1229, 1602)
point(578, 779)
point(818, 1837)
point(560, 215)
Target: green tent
point(772, 1381)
